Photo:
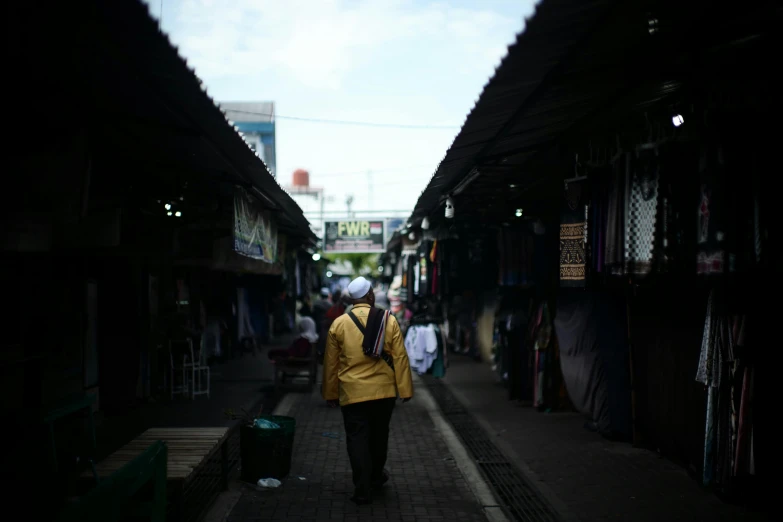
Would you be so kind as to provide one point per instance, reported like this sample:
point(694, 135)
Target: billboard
point(255, 233)
point(355, 237)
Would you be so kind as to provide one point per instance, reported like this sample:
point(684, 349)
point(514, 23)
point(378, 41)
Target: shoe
point(361, 498)
point(380, 482)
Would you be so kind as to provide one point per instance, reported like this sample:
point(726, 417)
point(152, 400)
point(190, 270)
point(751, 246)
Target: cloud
point(319, 42)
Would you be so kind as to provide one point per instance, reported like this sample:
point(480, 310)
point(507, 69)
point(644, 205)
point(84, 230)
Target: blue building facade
point(256, 120)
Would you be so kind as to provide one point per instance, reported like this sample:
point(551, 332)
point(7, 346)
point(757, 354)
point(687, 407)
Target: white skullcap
point(358, 288)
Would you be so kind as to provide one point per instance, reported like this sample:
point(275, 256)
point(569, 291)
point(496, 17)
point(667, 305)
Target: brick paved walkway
point(425, 482)
point(587, 477)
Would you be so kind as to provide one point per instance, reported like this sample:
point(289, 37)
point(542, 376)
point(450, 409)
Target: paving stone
point(595, 479)
point(425, 482)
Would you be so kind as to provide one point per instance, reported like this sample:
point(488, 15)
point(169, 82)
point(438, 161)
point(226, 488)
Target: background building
point(310, 199)
point(256, 120)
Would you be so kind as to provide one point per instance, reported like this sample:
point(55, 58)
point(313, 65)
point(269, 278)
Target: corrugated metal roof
point(250, 112)
point(553, 31)
point(576, 63)
point(156, 68)
point(556, 27)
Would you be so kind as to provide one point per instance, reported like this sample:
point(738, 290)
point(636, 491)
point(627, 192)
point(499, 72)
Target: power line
point(359, 211)
point(317, 175)
point(347, 122)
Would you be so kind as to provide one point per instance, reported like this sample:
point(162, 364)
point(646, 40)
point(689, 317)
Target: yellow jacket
point(351, 376)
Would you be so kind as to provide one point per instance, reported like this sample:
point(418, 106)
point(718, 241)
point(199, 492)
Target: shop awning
point(105, 70)
point(577, 64)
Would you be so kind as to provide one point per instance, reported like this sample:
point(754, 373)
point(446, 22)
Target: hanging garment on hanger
point(642, 212)
point(716, 355)
point(573, 232)
point(438, 368)
point(421, 343)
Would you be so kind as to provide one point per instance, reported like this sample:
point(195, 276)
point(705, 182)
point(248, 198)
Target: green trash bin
point(266, 453)
point(285, 443)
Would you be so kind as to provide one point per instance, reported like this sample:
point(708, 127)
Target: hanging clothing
point(421, 344)
point(708, 372)
point(725, 368)
point(711, 232)
point(616, 216)
point(573, 232)
point(543, 336)
point(210, 339)
point(439, 365)
point(515, 348)
point(515, 257)
point(642, 213)
point(244, 318)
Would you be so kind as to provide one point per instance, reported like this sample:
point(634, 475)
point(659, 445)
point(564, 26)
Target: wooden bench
point(60, 410)
point(190, 451)
point(117, 496)
point(297, 367)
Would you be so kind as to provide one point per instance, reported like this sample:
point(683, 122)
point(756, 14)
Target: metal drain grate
point(520, 500)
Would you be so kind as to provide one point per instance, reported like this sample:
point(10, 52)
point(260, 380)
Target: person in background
point(306, 310)
point(303, 345)
point(467, 325)
point(402, 313)
point(381, 299)
point(320, 307)
point(336, 310)
point(365, 385)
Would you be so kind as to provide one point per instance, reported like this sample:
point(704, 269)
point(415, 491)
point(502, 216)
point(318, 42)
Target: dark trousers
point(367, 434)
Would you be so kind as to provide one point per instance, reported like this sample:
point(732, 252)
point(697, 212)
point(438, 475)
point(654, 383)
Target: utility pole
point(349, 204)
point(323, 201)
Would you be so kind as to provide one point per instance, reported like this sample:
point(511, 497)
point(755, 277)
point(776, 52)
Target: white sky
point(386, 61)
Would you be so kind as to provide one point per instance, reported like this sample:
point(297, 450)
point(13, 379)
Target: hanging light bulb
point(178, 213)
point(678, 120)
point(518, 213)
point(425, 224)
point(169, 213)
point(316, 257)
point(167, 206)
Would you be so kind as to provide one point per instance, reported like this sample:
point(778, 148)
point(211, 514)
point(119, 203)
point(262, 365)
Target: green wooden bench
point(193, 455)
point(117, 496)
point(58, 411)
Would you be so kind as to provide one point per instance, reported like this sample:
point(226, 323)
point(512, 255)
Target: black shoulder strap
point(385, 356)
point(357, 322)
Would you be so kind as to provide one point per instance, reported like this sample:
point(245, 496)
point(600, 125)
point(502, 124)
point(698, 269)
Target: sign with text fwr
point(354, 237)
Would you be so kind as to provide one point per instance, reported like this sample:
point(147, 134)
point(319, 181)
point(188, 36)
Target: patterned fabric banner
point(255, 234)
point(573, 235)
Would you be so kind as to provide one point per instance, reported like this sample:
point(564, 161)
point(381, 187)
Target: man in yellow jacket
point(366, 369)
